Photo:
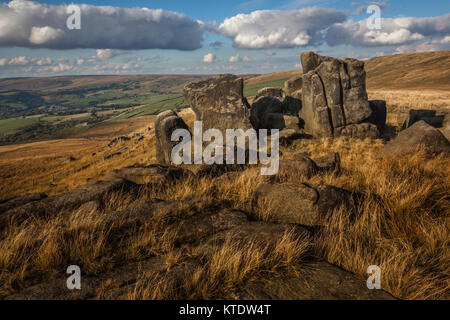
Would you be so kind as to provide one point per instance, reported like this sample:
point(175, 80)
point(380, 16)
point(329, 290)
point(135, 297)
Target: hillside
point(423, 70)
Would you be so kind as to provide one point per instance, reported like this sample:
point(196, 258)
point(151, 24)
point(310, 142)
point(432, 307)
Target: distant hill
point(424, 70)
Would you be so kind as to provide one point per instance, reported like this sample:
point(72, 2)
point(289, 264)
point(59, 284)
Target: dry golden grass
point(402, 226)
point(231, 265)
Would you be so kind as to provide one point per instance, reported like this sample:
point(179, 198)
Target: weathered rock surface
point(334, 96)
point(55, 204)
point(13, 202)
point(267, 113)
point(419, 135)
point(361, 131)
point(298, 202)
point(219, 102)
point(329, 162)
point(379, 114)
point(152, 174)
point(293, 84)
point(296, 168)
point(435, 118)
point(274, 92)
point(165, 124)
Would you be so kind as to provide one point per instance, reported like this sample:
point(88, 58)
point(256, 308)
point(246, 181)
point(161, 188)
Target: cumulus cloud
point(237, 58)
point(209, 58)
point(30, 24)
point(264, 29)
point(394, 31)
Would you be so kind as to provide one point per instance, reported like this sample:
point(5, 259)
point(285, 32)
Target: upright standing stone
point(165, 124)
point(334, 97)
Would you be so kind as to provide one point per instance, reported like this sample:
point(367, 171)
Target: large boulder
point(329, 162)
point(435, 118)
point(271, 92)
point(165, 124)
point(333, 94)
point(293, 84)
point(297, 203)
point(267, 113)
point(419, 135)
point(219, 102)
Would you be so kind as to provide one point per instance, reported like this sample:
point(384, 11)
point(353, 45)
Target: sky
point(44, 38)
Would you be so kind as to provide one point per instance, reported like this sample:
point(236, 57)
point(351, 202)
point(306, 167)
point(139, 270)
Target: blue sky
point(208, 37)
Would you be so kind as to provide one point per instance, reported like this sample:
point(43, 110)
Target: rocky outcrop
point(267, 113)
point(219, 102)
point(201, 232)
point(293, 85)
point(419, 136)
point(165, 124)
point(152, 174)
point(13, 202)
point(334, 97)
point(274, 92)
point(436, 118)
point(54, 205)
point(298, 202)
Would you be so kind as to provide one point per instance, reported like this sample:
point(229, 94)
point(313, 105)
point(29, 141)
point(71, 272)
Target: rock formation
point(219, 102)
point(165, 124)
point(419, 135)
point(298, 202)
point(334, 98)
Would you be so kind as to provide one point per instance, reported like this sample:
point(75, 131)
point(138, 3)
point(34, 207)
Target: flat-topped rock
point(219, 102)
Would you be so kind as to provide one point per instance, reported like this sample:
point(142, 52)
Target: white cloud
point(21, 60)
point(45, 34)
point(237, 58)
point(3, 62)
point(434, 45)
point(446, 40)
point(265, 29)
point(44, 61)
point(209, 58)
point(106, 54)
point(234, 58)
point(31, 24)
point(397, 31)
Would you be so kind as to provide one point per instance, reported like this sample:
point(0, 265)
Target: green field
point(252, 90)
point(9, 126)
